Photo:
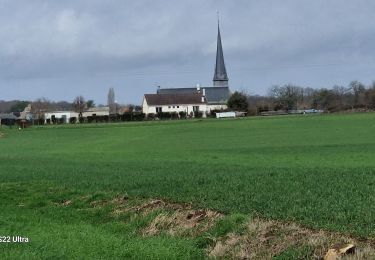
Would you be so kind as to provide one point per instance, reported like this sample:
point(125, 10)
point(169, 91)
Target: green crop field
point(316, 171)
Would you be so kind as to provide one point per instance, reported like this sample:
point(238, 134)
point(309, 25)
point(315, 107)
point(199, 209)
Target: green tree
point(19, 106)
point(238, 101)
point(90, 103)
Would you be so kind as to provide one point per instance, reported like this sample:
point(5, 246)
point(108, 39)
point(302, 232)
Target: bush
point(164, 115)
point(127, 116)
point(198, 114)
point(252, 111)
point(90, 119)
point(105, 118)
point(174, 115)
point(7, 122)
point(182, 114)
point(151, 116)
point(72, 120)
point(138, 116)
point(48, 121)
point(40, 121)
point(23, 123)
point(115, 118)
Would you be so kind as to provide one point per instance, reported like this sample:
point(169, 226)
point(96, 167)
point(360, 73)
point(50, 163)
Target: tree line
point(355, 97)
point(42, 105)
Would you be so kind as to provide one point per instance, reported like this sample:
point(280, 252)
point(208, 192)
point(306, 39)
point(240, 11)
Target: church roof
point(220, 71)
point(213, 94)
point(173, 99)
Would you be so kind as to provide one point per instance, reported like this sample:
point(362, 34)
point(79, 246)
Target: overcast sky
point(61, 49)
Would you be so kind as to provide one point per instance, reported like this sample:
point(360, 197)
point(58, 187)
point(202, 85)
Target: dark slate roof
point(173, 99)
point(213, 94)
point(220, 75)
point(8, 116)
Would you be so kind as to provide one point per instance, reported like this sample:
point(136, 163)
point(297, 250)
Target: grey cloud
point(86, 46)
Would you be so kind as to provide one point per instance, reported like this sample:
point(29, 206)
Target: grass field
point(316, 171)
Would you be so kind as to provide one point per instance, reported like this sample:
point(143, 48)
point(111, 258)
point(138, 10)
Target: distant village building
point(205, 99)
point(96, 111)
point(64, 117)
point(26, 114)
point(7, 119)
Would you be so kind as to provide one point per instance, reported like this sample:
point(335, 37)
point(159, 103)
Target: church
point(196, 99)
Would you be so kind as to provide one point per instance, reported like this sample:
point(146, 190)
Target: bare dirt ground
point(264, 239)
point(258, 238)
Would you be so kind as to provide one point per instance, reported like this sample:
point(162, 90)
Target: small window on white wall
point(158, 109)
point(178, 106)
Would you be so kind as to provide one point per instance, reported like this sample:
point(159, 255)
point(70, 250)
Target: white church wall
point(187, 108)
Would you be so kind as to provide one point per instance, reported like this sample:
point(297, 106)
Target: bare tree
point(287, 96)
point(39, 107)
point(358, 91)
point(79, 104)
point(111, 101)
point(340, 93)
point(371, 95)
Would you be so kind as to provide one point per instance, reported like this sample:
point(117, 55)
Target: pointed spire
point(220, 76)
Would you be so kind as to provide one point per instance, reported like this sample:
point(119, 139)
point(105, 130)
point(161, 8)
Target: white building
point(60, 116)
point(96, 111)
point(188, 103)
point(65, 116)
point(216, 97)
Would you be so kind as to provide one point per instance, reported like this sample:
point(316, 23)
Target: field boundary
point(246, 238)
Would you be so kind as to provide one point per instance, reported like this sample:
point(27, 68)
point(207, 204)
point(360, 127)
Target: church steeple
point(220, 76)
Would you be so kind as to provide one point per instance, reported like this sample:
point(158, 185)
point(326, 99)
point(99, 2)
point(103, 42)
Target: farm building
point(215, 98)
point(64, 117)
point(96, 111)
point(7, 119)
point(59, 116)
